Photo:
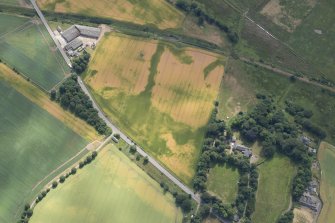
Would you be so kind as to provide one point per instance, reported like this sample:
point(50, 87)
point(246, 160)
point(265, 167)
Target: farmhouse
point(243, 149)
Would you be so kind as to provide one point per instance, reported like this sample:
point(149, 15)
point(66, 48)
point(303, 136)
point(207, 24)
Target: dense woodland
point(71, 97)
point(216, 143)
point(268, 124)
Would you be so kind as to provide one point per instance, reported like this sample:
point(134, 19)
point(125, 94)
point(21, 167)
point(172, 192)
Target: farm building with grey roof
point(77, 30)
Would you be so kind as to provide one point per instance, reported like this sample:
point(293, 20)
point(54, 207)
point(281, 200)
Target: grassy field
point(274, 189)
point(223, 182)
point(112, 189)
point(33, 143)
point(26, 46)
point(242, 81)
point(326, 157)
point(318, 49)
point(160, 95)
point(155, 12)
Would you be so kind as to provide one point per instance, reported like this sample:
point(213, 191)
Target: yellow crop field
point(156, 12)
point(160, 95)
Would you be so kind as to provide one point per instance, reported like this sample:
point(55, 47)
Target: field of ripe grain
point(159, 95)
point(33, 144)
point(155, 12)
point(326, 157)
point(110, 189)
point(26, 46)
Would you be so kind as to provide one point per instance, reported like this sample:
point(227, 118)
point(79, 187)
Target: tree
point(186, 205)
point(54, 184)
point(132, 149)
point(145, 160)
point(61, 179)
point(73, 170)
point(53, 95)
point(204, 211)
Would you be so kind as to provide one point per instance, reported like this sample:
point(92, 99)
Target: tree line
point(72, 98)
point(200, 11)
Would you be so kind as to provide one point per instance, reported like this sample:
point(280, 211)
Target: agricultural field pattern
point(167, 111)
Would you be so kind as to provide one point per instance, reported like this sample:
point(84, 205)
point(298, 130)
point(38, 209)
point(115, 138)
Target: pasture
point(33, 144)
point(303, 215)
point(153, 12)
point(223, 182)
point(242, 81)
point(110, 189)
point(159, 95)
point(274, 189)
point(326, 157)
point(26, 46)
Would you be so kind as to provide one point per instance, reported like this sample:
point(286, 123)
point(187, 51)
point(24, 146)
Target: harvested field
point(274, 189)
point(161, 96)
point(33, 144)
point(124, 194)
point(155, 12)
point(302, 215)
point(26, 46)
point(326, 157)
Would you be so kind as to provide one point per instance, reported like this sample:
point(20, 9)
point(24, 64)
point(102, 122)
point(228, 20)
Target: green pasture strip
point(223, 182)
point(33, 144)
point(274, 189)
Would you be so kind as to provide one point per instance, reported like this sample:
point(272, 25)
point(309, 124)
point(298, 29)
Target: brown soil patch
point(302, 215)
point(123, 64)
point(41, 99)
point(157, 12)
point(282, 17)
point(182, 156)
point(182, 91)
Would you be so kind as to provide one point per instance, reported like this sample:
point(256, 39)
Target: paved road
point(108, 122)
point(139, 149)
point(44, 21)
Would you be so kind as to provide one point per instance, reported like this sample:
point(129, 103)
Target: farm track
point(287, 74)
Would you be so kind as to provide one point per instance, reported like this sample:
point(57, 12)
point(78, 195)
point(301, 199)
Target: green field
point(326, 157)
point(242, 82)
point(223, 182)
point(27, 47)
point(33, 143)
point(274, 189)
point(111, 189)
point(318, 49)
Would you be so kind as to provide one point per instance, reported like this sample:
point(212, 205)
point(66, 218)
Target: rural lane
point(108, 122)
point(45, 23)
point(115, 129)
